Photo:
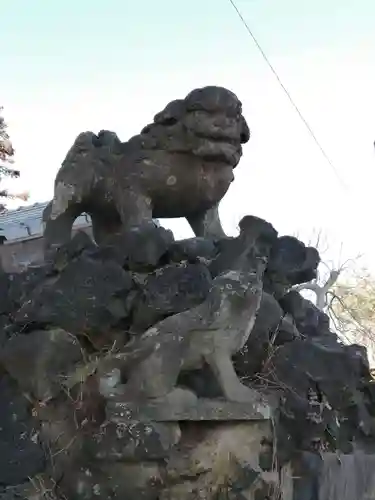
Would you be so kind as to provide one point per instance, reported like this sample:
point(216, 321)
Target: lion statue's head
point(208, 123)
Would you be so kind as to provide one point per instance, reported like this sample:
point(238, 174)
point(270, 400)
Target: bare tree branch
point(320, 290)
point(347, 294)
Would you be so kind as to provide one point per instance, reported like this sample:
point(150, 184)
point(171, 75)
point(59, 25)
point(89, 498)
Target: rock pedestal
point(140, 367)
point(76, 331)
point(212, 450)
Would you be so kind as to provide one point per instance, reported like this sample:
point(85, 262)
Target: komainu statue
point(211, 332)
point(181, 165)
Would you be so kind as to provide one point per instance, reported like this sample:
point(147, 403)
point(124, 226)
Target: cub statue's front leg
point(207, 224)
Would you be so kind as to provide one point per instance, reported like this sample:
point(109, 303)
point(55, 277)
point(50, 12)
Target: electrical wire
point(310, 130)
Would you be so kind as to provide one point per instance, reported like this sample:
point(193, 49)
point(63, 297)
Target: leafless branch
point(320, 290)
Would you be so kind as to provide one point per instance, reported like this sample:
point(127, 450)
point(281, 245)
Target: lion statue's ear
point(109, 139)
point(171, 113)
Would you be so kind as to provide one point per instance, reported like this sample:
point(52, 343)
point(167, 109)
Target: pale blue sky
point(70, 66)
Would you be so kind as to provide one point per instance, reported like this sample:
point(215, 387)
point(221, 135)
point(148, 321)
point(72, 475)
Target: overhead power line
point(310, 130)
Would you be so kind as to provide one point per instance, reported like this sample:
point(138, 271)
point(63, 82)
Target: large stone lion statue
point(181, 165)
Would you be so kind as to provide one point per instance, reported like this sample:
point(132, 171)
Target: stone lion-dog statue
point(212, 332)
point(181, 165)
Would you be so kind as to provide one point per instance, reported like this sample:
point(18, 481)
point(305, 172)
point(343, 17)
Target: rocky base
point(66, 430)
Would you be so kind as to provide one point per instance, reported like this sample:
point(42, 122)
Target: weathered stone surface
point(324, 405)
point(4, 325)
point(36, 488)
point(291, 262)
point(40, 360)
point(22, 284)
point(270, 323)
point(253, 233)
point(60, 434)
point(139, 248)
point(133, 481)
point(193, 250)
point(179, 166)
point(223, 461)
point(176, 409)
point(63, 255)
point(20, 453)
point(66, 422)
point(85, 480)
point(133, 441)
point(170, 290)
point(87, 297)
point(5, 302)
point(309, 320)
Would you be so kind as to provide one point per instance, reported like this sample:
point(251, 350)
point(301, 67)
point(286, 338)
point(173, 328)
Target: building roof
point(26, 223)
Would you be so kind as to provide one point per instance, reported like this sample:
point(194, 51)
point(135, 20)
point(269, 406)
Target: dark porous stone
point(291, 263)
point(181, 409)
point(138, 481)
point(193, 250)
point(21, 456)
point(5, 302)
point(229, 249)
point(133, 441)
point(87, 297)
point(140, 248)
point(309, 320)
point(250, 358)
point(4, 329)
point(323, 399)
point(170, 290)
point(21, 285)
point(112, 480)
point(40, 360)
point(63, 255)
